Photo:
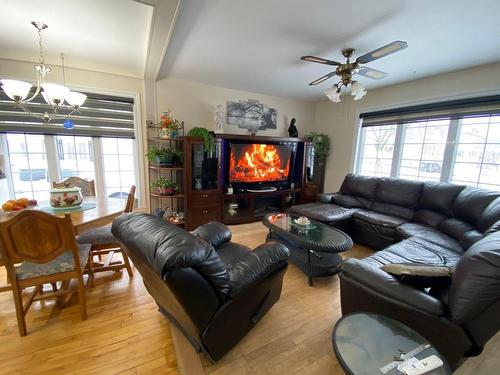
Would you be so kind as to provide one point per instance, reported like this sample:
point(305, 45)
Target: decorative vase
point(68, 197)
point(164, 133)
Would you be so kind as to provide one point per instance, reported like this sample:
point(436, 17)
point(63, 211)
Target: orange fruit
point(9, 205)
point(23, 202)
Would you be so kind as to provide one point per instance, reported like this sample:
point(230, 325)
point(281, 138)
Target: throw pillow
point(420, 275)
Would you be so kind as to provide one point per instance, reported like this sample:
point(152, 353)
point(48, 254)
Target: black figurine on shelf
point(292, 130)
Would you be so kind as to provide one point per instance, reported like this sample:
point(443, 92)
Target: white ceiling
point(103, 35)
point(255, 45)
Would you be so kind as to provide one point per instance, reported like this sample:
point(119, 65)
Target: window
point(76, 157)
point(423, 147)
point(378, 148)
point(461, 147)
point(27, 162)
point(477, 160)
point(100, 147)
point(118, 162)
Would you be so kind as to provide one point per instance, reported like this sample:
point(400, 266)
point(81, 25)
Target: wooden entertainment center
point(204, 180)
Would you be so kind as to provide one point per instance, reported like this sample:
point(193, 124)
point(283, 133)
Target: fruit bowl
point(18, 205)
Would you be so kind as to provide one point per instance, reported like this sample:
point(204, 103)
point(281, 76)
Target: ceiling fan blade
point(371, 73)
point(393, 47)
point(319, 60)
point(322, 79)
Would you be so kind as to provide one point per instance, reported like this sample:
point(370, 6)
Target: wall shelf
point(160, 168)
point(173, 196)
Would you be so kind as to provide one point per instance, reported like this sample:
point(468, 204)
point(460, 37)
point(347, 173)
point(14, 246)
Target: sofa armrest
point(381, 282)
point(325, 197)
point(214, 233)
point(256, 265)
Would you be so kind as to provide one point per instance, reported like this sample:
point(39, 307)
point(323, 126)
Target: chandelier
point(357, 90)
point(55, 95)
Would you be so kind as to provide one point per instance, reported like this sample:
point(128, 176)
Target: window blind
point(100, 116)
point(470, 107)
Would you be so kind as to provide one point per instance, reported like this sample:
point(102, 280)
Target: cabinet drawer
point(202, 215)
point(204, 198)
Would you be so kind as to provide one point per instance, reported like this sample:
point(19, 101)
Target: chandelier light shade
point(76, 99)
point(357, 90)
point(16, 90)
point(54, 94)
point(333, 93)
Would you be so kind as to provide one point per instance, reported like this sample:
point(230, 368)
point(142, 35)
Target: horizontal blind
point(482, 106)
point(100, 116)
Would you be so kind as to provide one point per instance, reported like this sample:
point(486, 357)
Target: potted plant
point(321, 143)
point(169, 127)
point(165, 156)
point(164, 186)
point(207, 136)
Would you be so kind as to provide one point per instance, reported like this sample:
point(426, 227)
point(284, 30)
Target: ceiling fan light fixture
point(333, 93)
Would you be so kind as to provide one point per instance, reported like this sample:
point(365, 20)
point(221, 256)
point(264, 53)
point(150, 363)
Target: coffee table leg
point(309, 269)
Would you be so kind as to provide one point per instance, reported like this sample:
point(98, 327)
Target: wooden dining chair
point(6, 287)
point(87, 187)
point(104, 244)
point(38, 248)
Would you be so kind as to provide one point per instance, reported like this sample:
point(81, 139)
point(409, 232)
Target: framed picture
point(251, 114)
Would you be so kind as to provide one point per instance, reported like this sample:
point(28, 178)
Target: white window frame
point(448, 164)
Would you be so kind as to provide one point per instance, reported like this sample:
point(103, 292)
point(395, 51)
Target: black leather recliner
point(212, 289)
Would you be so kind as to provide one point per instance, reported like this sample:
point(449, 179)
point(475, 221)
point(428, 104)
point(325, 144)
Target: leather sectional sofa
point(427, 223)
point(212, 289)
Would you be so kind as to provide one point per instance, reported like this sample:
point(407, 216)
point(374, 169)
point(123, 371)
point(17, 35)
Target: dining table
point(98, 212)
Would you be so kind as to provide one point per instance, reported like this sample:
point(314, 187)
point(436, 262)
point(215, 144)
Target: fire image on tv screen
point(259, 162)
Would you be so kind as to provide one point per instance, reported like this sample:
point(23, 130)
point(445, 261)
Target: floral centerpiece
point(168, 127)
point(164, 186)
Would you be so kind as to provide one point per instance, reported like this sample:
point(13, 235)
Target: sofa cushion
point(430, 234)
point(350, 201)
point(415, 250)
point(399, 192)
point(461, 231)
point(439, 197)
point(490, 216)
point(378, 218)
point(428, 217)
point(494, 228)
point(420, 275)
point(214, 232)
point(231, 253)
point(471, 202)
point(476, 281)
point(392, 209)
point(323, 212)
point(361, 186)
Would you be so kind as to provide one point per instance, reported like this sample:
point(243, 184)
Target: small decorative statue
point(292, 130)
point(219, 118)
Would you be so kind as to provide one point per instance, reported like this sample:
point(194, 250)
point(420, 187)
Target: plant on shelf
point(165, 156)
point(164, 186)
point(321, 143)
point(168, 127)
point(207, 136)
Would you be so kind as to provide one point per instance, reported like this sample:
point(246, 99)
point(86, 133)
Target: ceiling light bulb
point(76, 99)
point(16, 90)
point(54, 94)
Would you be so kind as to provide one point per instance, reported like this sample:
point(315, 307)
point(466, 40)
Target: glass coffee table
point(313, 248)
point(370, 344)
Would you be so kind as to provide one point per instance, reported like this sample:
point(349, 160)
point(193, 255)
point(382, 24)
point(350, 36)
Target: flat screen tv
point(258, 163)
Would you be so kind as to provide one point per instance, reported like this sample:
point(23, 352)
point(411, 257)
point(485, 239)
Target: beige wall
point(194, 104)
point(97, 82)
point(341, 120)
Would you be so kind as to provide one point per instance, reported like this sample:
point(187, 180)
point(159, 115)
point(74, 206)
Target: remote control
point(422, 366)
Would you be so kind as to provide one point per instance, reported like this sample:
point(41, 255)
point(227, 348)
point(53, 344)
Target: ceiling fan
point(348, 69)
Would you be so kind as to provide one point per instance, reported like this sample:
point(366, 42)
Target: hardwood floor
point(125, 334)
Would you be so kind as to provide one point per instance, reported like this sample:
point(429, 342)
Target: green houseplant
point(165, 156)
point(208, 138)
point(164, 186)
point(321, 143)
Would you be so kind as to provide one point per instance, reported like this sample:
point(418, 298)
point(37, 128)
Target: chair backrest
point(37, 237)
point(87, 187)
point(129, 206)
